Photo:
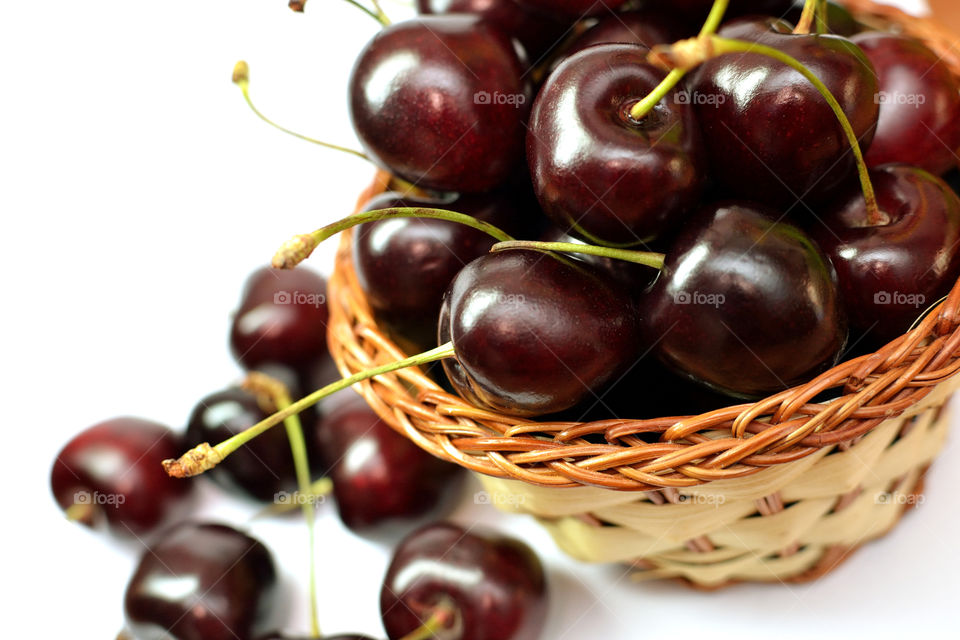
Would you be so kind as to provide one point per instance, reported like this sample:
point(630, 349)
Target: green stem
point(241, 78)
point(381, 15)
point(823, 17)
point(807, 17)
point(299, 248)
point(230, 445)
point(647, 258)
point(373, 14)
point(443, 617)
point(640, 110)
point(725, 45)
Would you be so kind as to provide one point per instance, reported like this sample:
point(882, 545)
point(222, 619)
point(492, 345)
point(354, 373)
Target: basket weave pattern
point(780, 489)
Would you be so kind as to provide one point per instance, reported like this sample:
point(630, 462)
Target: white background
point(136, 194)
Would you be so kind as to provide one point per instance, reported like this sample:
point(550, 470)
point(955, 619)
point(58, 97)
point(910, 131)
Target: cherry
point(919, 104)
point(260, 469)
point(282, 319)
point(574, 8)
point(378, 475)
point(534, 333)
point(111, 472)
point(440, 101)
point(537, 30)
point(891, 270)
point(745, 305)
point(404, 265)
point(647, 26)
point(770, 134)
point(202, 582)
point(494, 585)
point(598, 173)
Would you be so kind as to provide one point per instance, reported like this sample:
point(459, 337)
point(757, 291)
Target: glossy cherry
point(919, 104)
point(535, 333)
point(890, 272)
point(111, 473)
point(648, 26)
point(494, 583)
point(282, 319)
point(744, 304)
point(202, 582)
point(378, 475)
point(405, 265)
point(770, 135)
point(599, 174)
point(441, 101)
point(575, 8)
point(260, 469)
point(537, 30)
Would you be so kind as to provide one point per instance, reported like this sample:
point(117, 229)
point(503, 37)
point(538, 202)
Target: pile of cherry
point(592, 223)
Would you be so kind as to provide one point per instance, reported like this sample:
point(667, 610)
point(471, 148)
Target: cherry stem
point(806, 18)
point(276, 391)
point(647, 258)
point(241, 78)
point(721, 46)
point(376, 14)
point(82, 512)
point(822, 17)
point(640, 110)
point(299, 248)
point(203, 457)
point(442, 617)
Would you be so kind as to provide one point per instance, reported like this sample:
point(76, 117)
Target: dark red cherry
point(404, 265)
point(575, 8)
point(494, 584)
point(202, 582)
point(111, 473)
point(919, 104)
point(744, 304)
point(378, 475)
point(537, 30)
point(441, 101)
point(599, 174)
point(282, 319)
point(535, 333)
point(648, 26)
point(889, 273)
point(261, 468)
point(770, 135)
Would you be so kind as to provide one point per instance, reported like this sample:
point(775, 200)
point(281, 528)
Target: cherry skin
point(495, 584)
point(534, 333)
point(537, 30)
point(919, 104)
point(404, 265)
point(260, 469)
point(574, 8)
point(111, 473)
point(202, 582)
point(599, 174)
point(889, 273)
point(745, 305)
point(648, 26)
point(378, 475)
point(769, 133)
point(441, 102)
point(282, 319)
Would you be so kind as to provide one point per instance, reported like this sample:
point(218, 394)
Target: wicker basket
point(779, 490)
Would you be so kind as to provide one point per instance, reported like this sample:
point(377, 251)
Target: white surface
point(137, 192)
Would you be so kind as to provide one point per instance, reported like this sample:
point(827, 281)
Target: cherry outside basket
point(782, 489)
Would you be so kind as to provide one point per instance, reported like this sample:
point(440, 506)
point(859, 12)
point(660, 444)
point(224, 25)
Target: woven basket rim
point(730, 442)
